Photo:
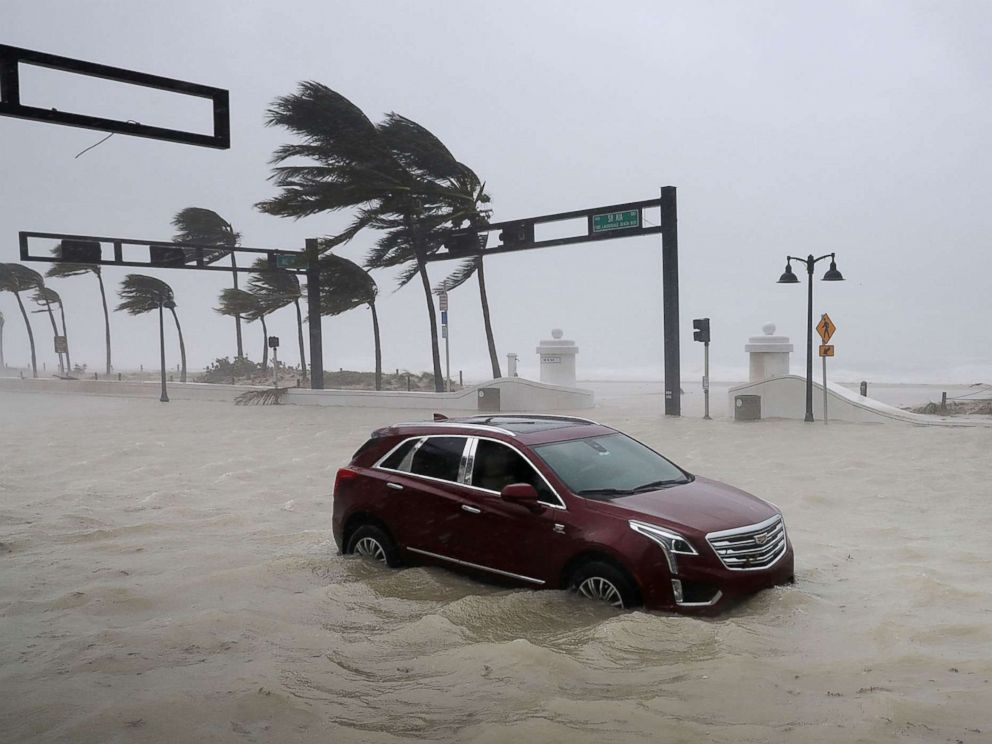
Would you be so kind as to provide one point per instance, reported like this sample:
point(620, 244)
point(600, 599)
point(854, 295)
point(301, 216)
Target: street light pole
point(832, 275)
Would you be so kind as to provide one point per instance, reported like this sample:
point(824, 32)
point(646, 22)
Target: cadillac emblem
point(761, 539)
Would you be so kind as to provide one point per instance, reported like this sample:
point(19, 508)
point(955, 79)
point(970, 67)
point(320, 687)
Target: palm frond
point(465, 271)
point(18, 278)
point(142, 294)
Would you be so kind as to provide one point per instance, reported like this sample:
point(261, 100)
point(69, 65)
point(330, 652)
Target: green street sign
point(284, 261)
point(625, 220)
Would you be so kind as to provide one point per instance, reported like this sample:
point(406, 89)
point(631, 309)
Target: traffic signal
point(166, 256)
point(80, 251)
point(701, 330)
point(464, 242)
point(517, 233)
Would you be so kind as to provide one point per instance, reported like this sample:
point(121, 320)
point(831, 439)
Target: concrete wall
point(516, 394)
point(785, 397)
point(128, 388)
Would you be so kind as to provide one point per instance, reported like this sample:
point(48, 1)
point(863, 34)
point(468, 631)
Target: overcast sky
point(860, 128)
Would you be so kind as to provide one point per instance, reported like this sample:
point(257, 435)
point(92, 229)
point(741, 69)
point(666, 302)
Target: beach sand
point(167, 574)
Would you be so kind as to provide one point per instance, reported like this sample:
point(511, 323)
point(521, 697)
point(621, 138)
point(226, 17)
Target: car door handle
point(471, 509)
point(394, 486)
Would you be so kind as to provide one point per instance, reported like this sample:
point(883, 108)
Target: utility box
point(747, 408)
point(489, 399)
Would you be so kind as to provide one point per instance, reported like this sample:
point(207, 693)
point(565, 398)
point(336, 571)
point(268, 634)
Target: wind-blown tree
point(142, 294)
point(345, 285)
point(277, 288)
point(463, 199)
point(350, 163)
point(251, 307)
point(199, 225)
point(17, 278)
point(46, 297)
point(67, 269)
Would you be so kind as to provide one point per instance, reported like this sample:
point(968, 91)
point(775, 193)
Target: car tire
point(604, 582)
point(373, 542)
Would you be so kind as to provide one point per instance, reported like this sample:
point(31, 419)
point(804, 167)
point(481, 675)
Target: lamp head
point(832, 274)
point(788, 277)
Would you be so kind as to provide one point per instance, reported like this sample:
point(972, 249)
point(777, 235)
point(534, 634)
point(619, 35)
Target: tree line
point(394, 177)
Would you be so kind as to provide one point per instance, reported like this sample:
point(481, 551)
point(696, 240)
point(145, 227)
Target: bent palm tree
point(16, 278)
point(389, 178)
point(142, 294)
point(46, 297)
point(345, 285)
point(199, 225)
point(277, 288)
point(66, 269)
point(251, 307)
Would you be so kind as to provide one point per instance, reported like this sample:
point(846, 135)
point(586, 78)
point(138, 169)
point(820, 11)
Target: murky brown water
point(167, 574)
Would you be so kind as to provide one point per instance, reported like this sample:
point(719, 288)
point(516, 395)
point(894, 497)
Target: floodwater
point(167, 574)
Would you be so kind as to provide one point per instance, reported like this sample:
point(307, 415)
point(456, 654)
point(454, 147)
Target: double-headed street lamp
point(788, 277)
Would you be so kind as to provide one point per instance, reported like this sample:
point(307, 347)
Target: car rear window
point(439, 457)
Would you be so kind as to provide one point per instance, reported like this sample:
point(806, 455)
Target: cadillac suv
point(562, 503)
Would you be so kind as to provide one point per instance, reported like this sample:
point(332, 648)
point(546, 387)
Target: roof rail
point(453, 425)
point(542, 416)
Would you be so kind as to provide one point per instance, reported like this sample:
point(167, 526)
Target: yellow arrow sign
point(826, 350)
point(825, 328)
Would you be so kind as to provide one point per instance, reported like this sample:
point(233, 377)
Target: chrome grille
point(752, 547)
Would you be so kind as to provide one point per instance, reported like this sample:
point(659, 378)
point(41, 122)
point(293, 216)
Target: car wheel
point(603, 582)
point(372, 542)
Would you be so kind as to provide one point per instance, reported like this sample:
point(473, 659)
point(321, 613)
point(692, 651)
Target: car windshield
point(610, 465)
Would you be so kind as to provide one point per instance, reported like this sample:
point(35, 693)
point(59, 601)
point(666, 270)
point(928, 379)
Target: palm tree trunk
point(265, 344)
point(106, 319)
point(3, 362)
point(182, 346)
point(55, 332)
point(484, 298)
point(421, 256)
point(237, 318)
point(378, 347)
point(65, 333)
point(299, 330)
point(27, 324)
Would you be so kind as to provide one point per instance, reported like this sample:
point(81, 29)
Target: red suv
point(558, 502)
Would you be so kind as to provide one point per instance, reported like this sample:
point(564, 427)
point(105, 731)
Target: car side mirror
point(523, 494)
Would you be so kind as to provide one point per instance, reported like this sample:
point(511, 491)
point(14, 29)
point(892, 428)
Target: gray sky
point(788, 128)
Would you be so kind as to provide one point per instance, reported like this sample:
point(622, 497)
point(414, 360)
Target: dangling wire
point(83, 152)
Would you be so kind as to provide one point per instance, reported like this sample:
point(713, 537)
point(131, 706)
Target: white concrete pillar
point(769, 354)
point(558, 360)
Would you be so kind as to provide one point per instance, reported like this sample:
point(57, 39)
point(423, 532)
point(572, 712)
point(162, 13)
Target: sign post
point(826, 329)
point(443, 304)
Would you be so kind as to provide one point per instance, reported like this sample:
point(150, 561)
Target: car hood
point(703, 506)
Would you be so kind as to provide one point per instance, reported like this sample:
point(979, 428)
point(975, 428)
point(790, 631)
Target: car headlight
point(671, 542)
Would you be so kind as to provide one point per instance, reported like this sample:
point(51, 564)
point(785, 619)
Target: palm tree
point(143, 294)
point(345, 285)
point(17, 278)
point(199, 225)
point(61, 269)
point(251, 307)
point(3, 362)
point(352, 163)
point(277, 288)
point(46, 297)
point(462, 199)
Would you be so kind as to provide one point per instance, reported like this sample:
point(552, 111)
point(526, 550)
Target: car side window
point(399, 458)
point(439, 457)
point(497, 466)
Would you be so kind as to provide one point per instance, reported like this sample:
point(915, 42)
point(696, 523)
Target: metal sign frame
point(10, 98)
point(518, 235)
